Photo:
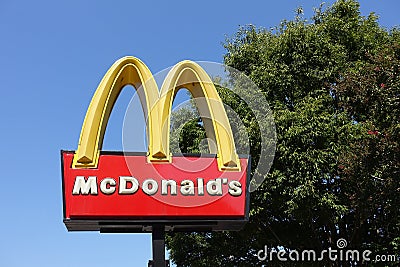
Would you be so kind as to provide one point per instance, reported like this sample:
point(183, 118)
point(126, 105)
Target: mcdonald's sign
point(129, 191)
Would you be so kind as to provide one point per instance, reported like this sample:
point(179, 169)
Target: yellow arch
point(157, 107)
point(125, 71)
point(189, 75)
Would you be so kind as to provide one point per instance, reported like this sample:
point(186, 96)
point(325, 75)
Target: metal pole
point(158, 242)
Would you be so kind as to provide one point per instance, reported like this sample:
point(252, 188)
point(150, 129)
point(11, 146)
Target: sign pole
point(158, 243)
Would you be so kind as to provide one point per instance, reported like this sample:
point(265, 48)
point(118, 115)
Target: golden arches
point(125, 71)
point(157, 107)
point(189, 75)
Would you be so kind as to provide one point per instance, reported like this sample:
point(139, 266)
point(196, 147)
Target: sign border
point(135, 224)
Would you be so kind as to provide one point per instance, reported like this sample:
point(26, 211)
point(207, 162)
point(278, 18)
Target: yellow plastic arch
point(189, 75)
point(125, 71)
point(157, 107)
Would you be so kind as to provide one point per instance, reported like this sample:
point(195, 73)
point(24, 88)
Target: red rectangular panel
point(127, 187)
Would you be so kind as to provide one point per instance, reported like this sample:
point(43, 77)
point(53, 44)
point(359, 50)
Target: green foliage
point(333, 85)
point(370, 94)
point(187, 132)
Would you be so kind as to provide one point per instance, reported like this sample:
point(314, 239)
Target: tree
point(336, 169)
point(370, 95)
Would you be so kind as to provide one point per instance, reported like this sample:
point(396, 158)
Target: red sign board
point(127, 193)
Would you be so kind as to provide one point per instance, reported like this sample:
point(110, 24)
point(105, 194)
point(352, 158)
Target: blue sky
point(52, 56)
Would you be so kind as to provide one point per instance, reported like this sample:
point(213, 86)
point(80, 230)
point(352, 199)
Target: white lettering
point(265, 251)
point(311, 255)
point(214, 187)
point(85, 187)
point(200, 186)
point(107, 186)
point(128, 185)
point(334, 257)
point(281, 255)
point(150, 187)
point(235, 188)
point(366, 254)
point(353, 255)
point(124, 181)
point(164, 187)
point(322, 255)
point(294, 258)
point(187, 188)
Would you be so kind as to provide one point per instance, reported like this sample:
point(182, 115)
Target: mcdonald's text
point(128, 185)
